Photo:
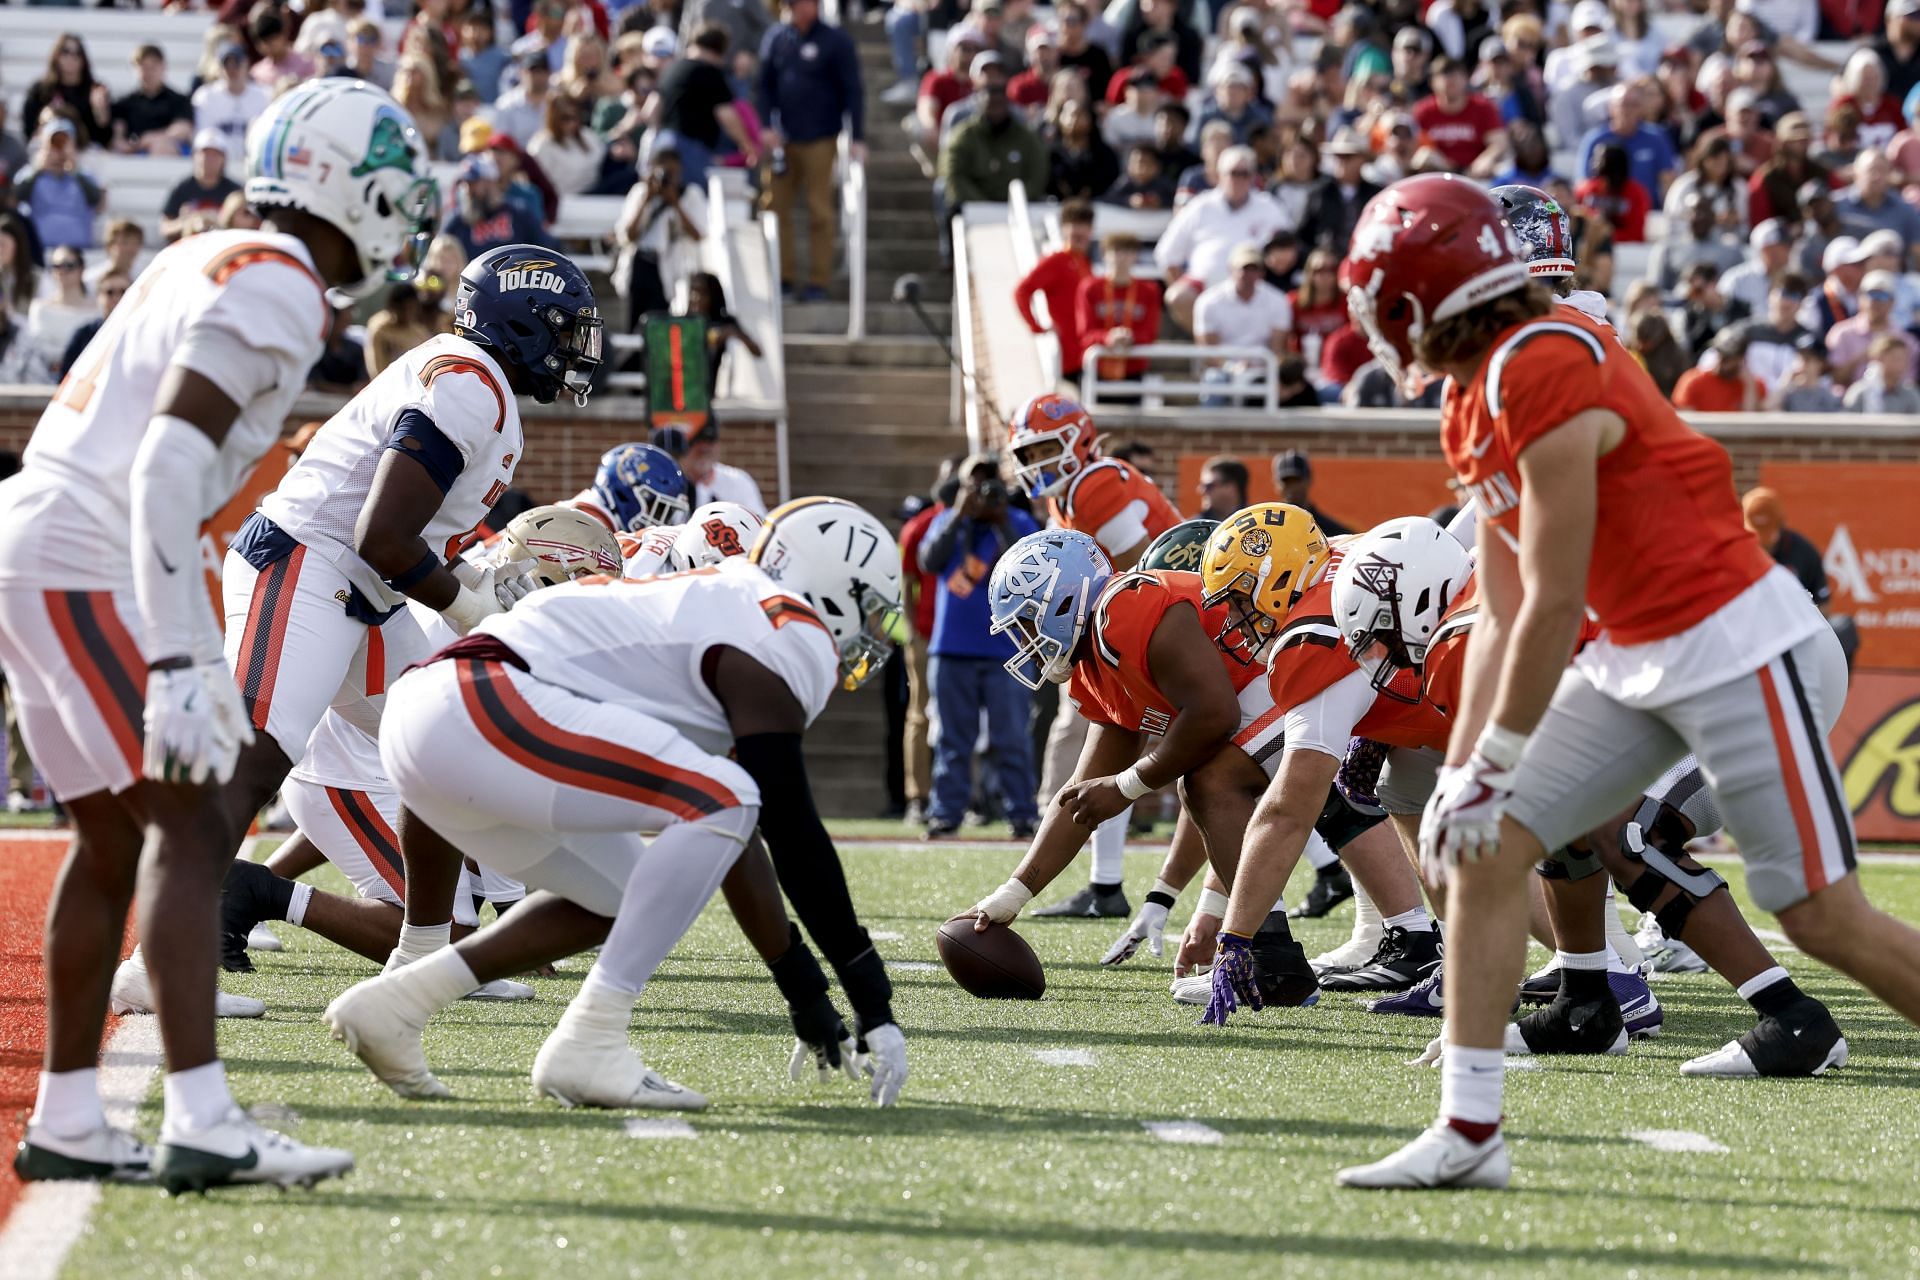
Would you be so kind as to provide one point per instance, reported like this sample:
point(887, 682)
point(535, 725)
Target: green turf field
point(997, 1165)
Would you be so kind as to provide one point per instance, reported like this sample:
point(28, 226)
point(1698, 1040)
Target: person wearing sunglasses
point(55, 317)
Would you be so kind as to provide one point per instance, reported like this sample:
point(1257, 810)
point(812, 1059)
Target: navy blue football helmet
point(641, 487)
point(534, 310)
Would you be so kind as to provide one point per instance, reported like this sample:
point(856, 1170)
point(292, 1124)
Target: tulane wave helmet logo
point(387, 148)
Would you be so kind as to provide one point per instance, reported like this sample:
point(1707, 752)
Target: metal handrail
point(853, 219)
point(1026, 255)
point(777, 355)
point(1269, 389)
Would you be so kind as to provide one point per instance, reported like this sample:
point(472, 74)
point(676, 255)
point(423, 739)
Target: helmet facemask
point(882, 628)
point(1038, 658)
point(1378, 644)
point(1247, 631)
point(573, 357)
point(1043, 462)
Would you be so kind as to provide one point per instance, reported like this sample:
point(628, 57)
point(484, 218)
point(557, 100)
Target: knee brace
point(1340, 823)
point(1573, 862)
point(1693, 883)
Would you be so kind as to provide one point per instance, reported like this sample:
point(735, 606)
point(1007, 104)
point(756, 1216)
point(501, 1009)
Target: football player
point(546, 741)
point(108, 638)
point(1136, 652)
point(1545, 232)
point(1056, 456)
point(1707, 645)
point(1407, 601)
point(711, 534)
point(636, 487)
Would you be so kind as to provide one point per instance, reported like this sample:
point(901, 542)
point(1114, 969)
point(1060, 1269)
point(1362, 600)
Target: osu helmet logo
point(723, 537)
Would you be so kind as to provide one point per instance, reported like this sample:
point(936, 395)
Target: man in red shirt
point(1462, 127)
point(941, 88)
point(1119, 308)
point(918, 588)
point(1728, 387)
point(1057, 278)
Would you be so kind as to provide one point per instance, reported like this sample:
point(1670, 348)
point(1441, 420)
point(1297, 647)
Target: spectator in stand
point(1192, 252)
point(1281, 260)
point(1334, 205)
point(1293, 477)
point(1204, 176)
point(1137, 454)
point(1172, 125)
point(1118, 310)
point(1886, 385)
point(1234, 103)
point(1838, 297)
point(1158, 61)
point(1883, 250)
point(1078, 53)
point(745, 21)
point(940, 89)
point(983, 157)
point(1588, 20)
point(1710, 171)
point(707, 298)
point(1747, 132)
point(1144, 185)
point(1819, 226)
point(68, 82)
point(482, 219)
point(153, 119)
point(1296, 392)
point(966, 661)
point(1508, 84)
point(1651, 160)
point(1806, 385)
point(1872, 203)
point(236, 214)
point(1031, 88)
point(1080, 164)
point(1898, 48)
point(1613, 195)
point(1299, 174)
point(58, 198)
point(1223, 487)
point(1850, 340)
point(1699, 241)
point(125, 239)
point(1459, 130)
point(1650, 339)
point(1319, 304)
point(54, 316)
point(919, 593)
point(711, 479)
point(113, 287)
point(1412, 60)
point(569, 151)
point(547, 34)
point(1531, 163)
point(1773, 190)
point(1865, 90)
point(1766, 520)
point(230, 103)
point(482, 61)
point(906, 23)
point(1704, 310)
point(1357, 37)
point(1722, 383)
point(1840, 145)
point(1242, 311)
point(331, 60)
point(416, 86)
point(1400, 150)
point(397, 328)
point(1158, 24)
point(584, 76)
point(278, 59)
point(364, 57)
point(521, 111)
point(809, 93)
point(1247, 45)
point(1580, 105)
point(694, 106)
point(21, 363)
point(1131, 122)
point(659, 235)
point(1343, 355)
point(1774, 339)
point(197, 198)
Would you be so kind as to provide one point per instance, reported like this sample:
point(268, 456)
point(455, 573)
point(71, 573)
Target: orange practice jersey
point(1113, 685)
point(1103, 492)
point(1446, 664)
point(1307, 657)
point(1671, 547)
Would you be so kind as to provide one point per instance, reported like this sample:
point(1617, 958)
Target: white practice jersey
point(462, 391)
point(640, 644)
point(650, 551)
point(230, 291)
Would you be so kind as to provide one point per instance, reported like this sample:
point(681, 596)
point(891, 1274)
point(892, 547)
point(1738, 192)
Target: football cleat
point(245, 901)
point(1195, 988)
point(261, 938)
point(1640, 1010)
point(583, 1065)
point(105, 1154)
point(133, 993)
point(1592, 1027)
point(1664, 954)
point(1440, 1157)
point(1806, 1042)
point(500, 989)
point(1424, 999)
point(382, 1029)
point(1280, 966)
point(1089, 903)
point(1403, 957)
point(1351, 954)
point(237, 1151)
point(1541, 987)
point(1331, 887)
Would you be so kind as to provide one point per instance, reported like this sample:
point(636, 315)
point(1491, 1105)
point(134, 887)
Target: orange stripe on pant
point(364, 823)
point(108, 663)
point(1810, 861)
point(266, 633)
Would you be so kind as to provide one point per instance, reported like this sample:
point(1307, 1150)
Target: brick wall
point(563, 442)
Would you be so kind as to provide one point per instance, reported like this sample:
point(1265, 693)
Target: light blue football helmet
point(1042, 591)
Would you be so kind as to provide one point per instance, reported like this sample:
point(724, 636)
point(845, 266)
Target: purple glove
point(1359, 778)
point(1233, 980)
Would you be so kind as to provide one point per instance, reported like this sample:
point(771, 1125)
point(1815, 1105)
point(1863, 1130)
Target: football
point(994, 964)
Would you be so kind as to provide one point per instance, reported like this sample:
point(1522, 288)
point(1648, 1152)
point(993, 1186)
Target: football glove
point(885, 1062)
point(820, 1034)
point(1001, 906)
point(1358, 780)
point(1462, 819)
point(195, 724)
point(1233, 980)
point(1148, 927)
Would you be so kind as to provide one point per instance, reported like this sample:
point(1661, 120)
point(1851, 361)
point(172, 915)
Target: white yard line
point(50, 1217)
point(1186, 1133)
point(911, 964)
point(1678, 1142)
point(1063, 1057)
point(660, 1127)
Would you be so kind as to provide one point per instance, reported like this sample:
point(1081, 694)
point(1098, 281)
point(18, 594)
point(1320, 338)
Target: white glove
point(513, 583)
point(195, 724)
point(852, 1061)
point(886, 1062)
point(1149, 927)
point(1004, 904)
point(1462, 819)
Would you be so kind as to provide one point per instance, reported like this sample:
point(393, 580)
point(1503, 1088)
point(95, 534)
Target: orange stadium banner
point(1358, 492)
point(1877, 743)
point(1869, 540)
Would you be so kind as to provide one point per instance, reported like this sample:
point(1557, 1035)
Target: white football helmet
point(560, 544)
point(348, 154)
point(1393, 584)
point(846, 565)
point(714, 532)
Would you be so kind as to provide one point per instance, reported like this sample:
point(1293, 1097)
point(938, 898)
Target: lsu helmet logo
point(1256, 542)
point(536, 273)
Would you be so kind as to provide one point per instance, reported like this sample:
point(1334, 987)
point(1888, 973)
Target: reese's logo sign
point(1877, 744)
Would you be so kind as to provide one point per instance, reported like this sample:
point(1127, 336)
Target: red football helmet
point(1053, 440)
point(1426, 249)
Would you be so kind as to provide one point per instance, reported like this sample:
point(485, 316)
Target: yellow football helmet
point(1259, 562)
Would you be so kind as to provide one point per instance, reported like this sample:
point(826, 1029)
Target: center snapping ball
point(994, 964)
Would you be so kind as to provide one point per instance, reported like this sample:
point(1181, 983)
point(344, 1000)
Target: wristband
point(1500, 747)
point(416, 574)
point(1163, 894)
point(1130, 784)
point(1212, 903)
point(469, 607)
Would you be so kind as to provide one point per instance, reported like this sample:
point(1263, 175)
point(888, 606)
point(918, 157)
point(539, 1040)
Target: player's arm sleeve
point(1124, 530)
point(1325, 722)
point(810, 874)
point(416, 435)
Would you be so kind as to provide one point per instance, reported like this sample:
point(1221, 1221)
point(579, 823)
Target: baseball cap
point(1346, 141)
point(1742, 99)
point(1596, 51)
point(1235, 73)
point(59, 125)
point(1813, 189)
point(475, 134)
point(1767, 234)
point(534, 60)
point(233, 49)
point(1412, 37)
point(1842, 251)
point(658, 42)
point(1903, 8)
point(332, 49)
point(672, 439)
point(1883, 241)
point(1591, 14)
point(981, 61)
point(1492, 48)
point(1880, 281)
point(1761, 507)
point(1246, 254)
point(1040, 36)
point(1794, 127)
point(1291, 465)
point(211, 140)
point(479, 168)
point(1755, 49)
